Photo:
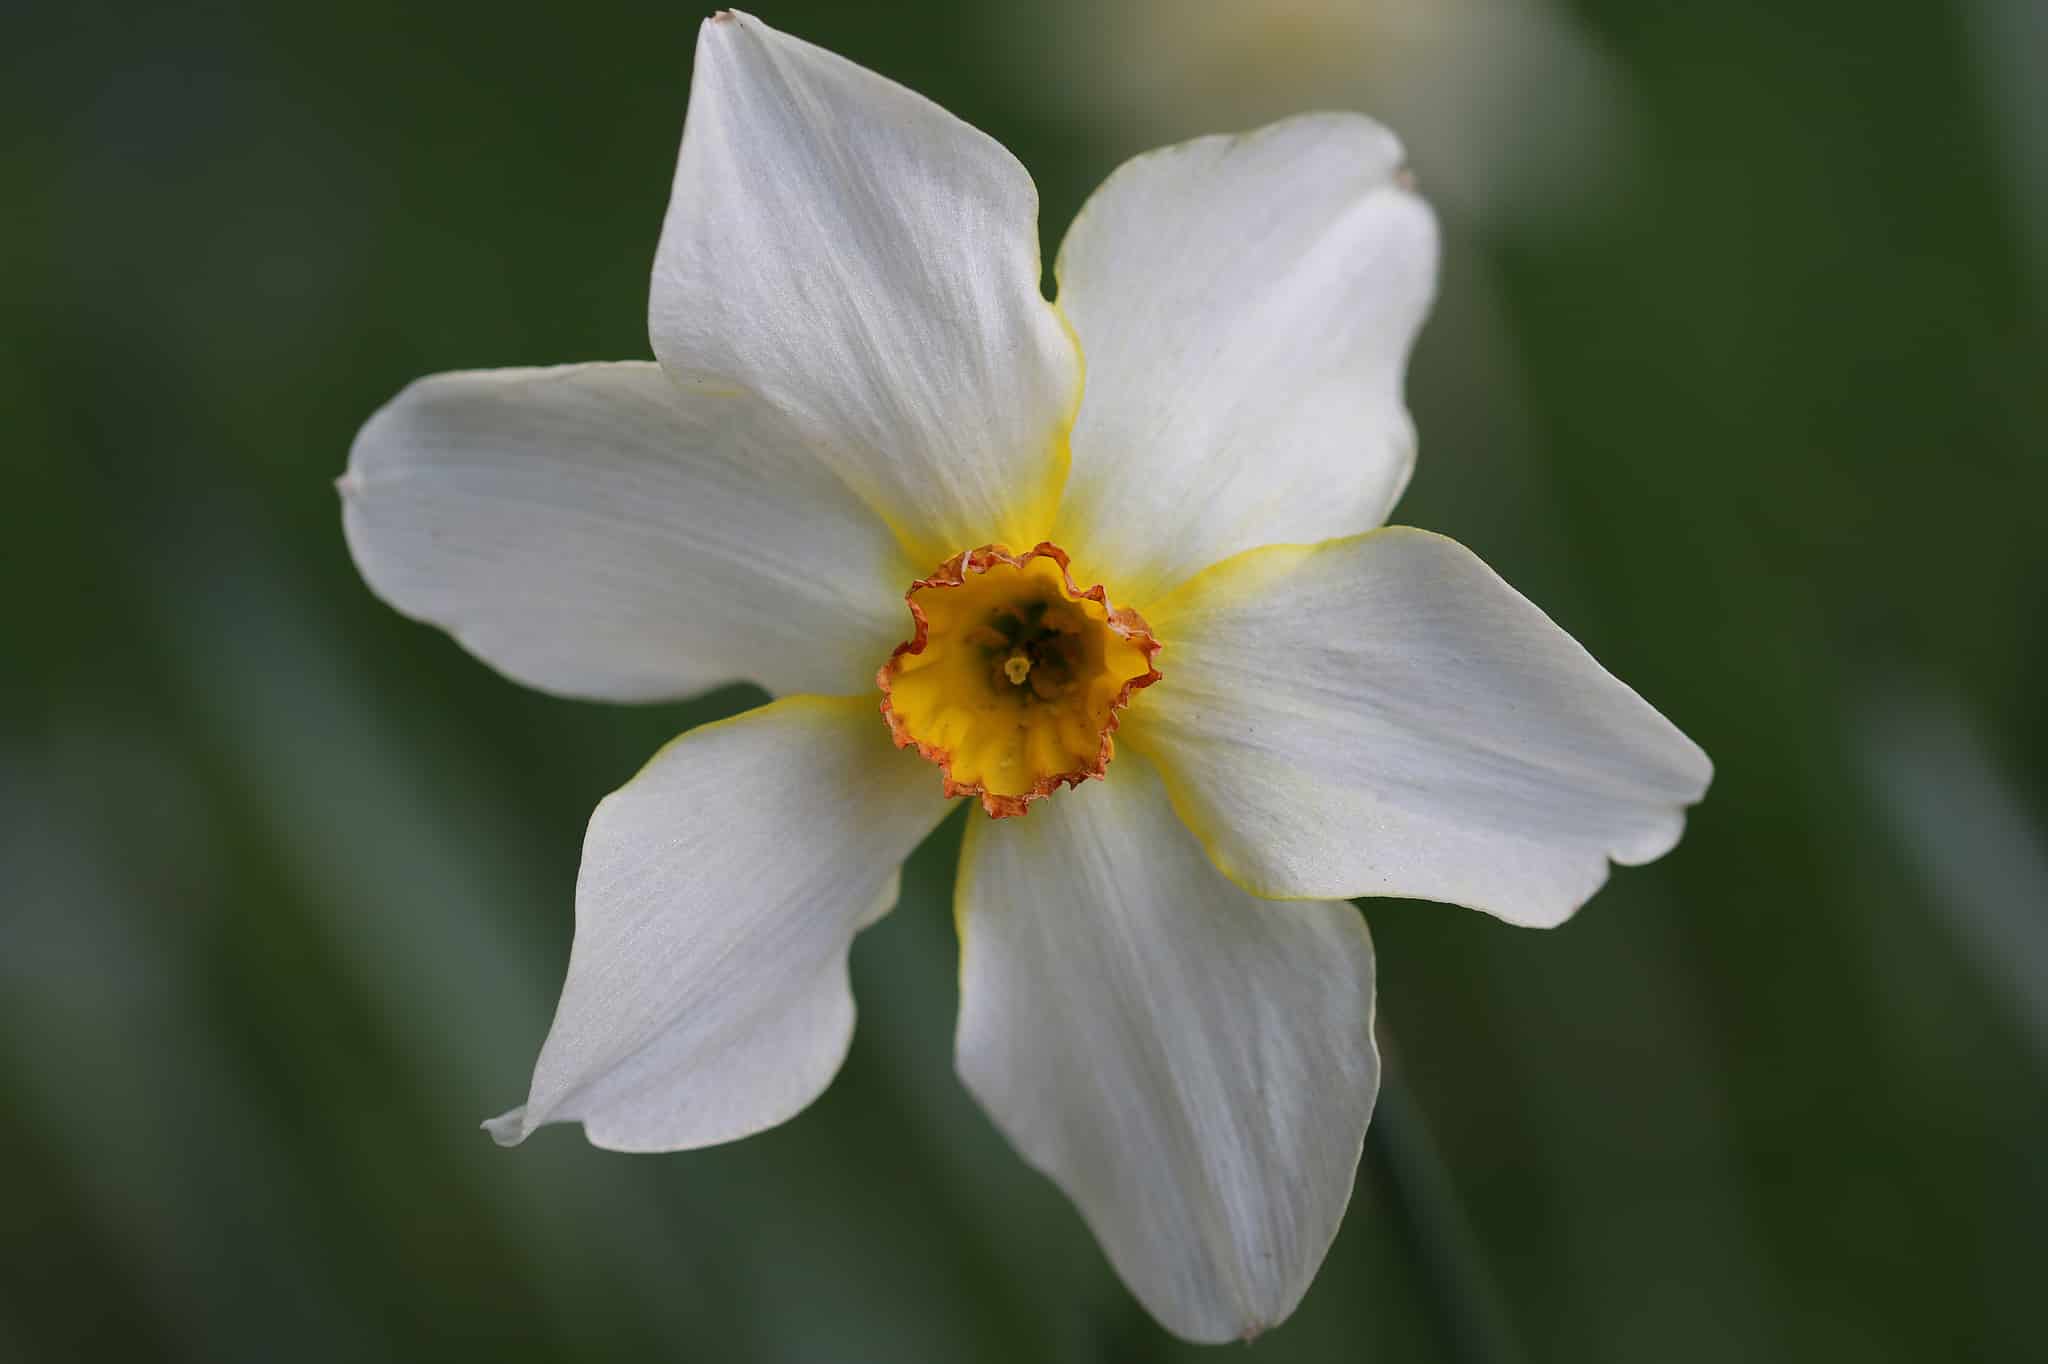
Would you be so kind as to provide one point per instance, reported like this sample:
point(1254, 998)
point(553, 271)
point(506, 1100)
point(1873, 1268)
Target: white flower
point(862, 393)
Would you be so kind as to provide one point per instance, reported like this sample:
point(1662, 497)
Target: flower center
point(1014, 678)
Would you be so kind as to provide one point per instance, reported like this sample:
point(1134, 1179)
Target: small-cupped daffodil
point(1148, 621)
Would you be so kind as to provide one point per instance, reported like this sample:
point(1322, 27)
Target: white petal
point(590, 530)
point(1193, 1066)
point(1246, 305)
point(1384, 716)
point(868, 263)
point(707, 995)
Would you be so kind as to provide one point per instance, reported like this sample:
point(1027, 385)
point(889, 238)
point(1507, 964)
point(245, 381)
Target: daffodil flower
point(1148, 624)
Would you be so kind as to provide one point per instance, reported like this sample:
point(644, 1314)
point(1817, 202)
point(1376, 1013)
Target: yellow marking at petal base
point(1205, 831)
point(1245, 576)
point(1028, 523)
point(1025, 524)
point(1255, 572)
point(1015, 676)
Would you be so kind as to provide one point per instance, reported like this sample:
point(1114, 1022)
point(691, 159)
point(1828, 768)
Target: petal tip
point(508, 1129)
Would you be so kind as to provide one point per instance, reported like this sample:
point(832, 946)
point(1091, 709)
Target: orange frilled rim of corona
point(1015, 677)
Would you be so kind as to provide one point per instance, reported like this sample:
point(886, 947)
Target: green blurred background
point(1738, 371)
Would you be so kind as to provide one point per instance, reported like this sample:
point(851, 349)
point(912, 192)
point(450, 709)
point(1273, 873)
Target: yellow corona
point(1014, 677)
